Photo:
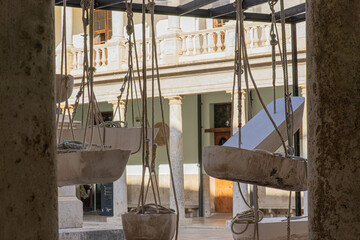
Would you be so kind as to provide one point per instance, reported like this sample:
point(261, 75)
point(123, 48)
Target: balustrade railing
point(215, 43)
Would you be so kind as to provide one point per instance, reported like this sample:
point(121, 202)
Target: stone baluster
point(256, 41)
point(191, 45)
point(205, 43)
point(267, 35)
point(197, 44)
point(212, 41)
point(158, 48)
point(183, 46)
point(75, 59)
point(263, 36)
point(80, 59)
point(248, 37)
point(103, 57)
point(218, 41)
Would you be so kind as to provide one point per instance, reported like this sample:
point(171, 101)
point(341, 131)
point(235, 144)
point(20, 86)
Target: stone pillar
point(69, 36)
point(120, 203)
point(69, 24)
point(176, 154)
point(28, 179)
point(238, 203)
point(304, 143)
point(333, 50)
point(172, 41)
point(117, 25)
point(117, 53)
point(70, 208)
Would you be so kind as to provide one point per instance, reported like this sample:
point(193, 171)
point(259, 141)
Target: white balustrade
point(192, 44)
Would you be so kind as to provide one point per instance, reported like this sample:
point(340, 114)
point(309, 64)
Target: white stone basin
point(63, 91)
point(89, 167)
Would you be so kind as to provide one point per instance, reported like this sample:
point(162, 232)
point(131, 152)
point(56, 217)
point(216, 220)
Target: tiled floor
point(213, 228)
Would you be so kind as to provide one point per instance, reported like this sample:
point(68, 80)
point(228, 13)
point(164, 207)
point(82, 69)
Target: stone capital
point(174, 99)
point(115, 102)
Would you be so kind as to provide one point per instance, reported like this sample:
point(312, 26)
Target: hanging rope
point(64, 78)
point(273, 43)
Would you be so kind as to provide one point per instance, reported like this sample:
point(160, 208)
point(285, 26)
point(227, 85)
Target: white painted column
point(69, 36)
point(172, 42)
point(120, 204)
point(117, 53)
point(304, 143)
point(69, 24)
point(117, 25)
point(176, 154)
point(238, 203)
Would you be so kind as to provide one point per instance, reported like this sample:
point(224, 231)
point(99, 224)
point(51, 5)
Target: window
point(102, 26)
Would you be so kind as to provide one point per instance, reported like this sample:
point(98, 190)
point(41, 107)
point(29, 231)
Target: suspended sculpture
point(83, 155)
point(248, 156)
point(150, 221)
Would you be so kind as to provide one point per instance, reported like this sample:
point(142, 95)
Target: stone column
point(304, 143)
point(69, 35)
point(28, 179)
point(70, 208)
point(238, 203)
point(117, 25)
point(120, 203)
point(176, 154)
point(117, 53)
point(172, 41)
point(69, 24)
point(333, 50)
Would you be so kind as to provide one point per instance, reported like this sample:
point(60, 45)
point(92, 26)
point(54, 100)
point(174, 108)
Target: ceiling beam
point(229, 8)
point(292, 11)
point(106, 3)
point(193, 5)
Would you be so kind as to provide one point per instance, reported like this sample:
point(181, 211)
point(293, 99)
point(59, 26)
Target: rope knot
point(151, 7)
point(273, 40)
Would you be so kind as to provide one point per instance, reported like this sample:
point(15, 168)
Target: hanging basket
point(255, 167)
point(64, 88)
point(89, 167)
point(149, 226)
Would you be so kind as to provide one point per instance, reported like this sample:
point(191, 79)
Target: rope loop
point(246, 217)
point(85, 4)
point(272, 3)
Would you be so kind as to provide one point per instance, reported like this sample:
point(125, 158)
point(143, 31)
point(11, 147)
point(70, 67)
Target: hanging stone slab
point(64, 88)
point(89, 167)
point(255, 167)
point(149, 226)
point(259, 133)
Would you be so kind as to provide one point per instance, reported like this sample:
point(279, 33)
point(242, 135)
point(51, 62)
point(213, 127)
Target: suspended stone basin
point(149, 226)
point(89, 167)
point(64, 88)
point(249, 166)
point(127, 138)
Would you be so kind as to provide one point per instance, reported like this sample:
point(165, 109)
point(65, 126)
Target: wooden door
point(223, 188)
